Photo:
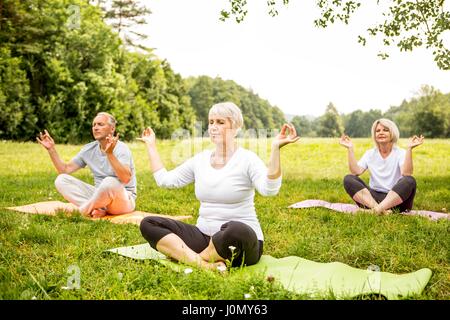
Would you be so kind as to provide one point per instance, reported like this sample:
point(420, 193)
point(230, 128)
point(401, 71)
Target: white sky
point(285, 59)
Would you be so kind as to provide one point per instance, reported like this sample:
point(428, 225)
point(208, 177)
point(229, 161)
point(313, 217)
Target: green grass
point(36, 252)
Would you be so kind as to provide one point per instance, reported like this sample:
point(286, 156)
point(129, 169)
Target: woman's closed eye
point(218, 122)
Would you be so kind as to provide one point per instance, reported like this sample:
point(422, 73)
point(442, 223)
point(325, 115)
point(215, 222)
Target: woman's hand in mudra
point(284, 138)
point(345, 141)
point(148, 136)
point(415, 141)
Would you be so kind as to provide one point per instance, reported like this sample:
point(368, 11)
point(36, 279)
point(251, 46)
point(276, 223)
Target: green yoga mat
point(318, 280)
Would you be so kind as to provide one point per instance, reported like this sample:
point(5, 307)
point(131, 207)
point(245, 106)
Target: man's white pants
point(110, 194)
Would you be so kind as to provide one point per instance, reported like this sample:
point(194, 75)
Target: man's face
point(101, 127)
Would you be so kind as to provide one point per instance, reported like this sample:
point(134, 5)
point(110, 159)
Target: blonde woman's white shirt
point(384, 173)
point(225, 194)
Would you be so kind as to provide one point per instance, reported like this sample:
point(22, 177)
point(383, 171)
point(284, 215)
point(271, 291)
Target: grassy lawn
point(36, 252)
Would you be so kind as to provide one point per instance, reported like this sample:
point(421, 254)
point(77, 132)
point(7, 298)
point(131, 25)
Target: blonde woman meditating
point(225, 181)
point(391, 184)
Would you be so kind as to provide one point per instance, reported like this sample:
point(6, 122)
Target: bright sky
point(285, 59)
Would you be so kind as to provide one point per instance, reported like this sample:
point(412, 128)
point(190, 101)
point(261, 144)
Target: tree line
point(62, 62)
point(428, 113)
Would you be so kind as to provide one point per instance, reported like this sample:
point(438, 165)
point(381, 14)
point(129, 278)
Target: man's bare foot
point(98, 213)
point(85, 214)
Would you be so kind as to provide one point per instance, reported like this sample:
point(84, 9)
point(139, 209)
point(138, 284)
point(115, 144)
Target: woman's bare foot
point(220, 266)
point(214, 266)
point(379, 212)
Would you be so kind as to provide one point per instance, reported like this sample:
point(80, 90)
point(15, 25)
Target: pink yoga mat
point(352, 208)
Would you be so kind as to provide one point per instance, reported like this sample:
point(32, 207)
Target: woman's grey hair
point(228, 110)
point(111, 120)
point(393, 129)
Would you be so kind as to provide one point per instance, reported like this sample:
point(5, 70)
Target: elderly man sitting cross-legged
point(111, 163)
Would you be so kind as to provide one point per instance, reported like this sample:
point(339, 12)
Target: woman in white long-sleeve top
point(391, 184)
point(225, 178)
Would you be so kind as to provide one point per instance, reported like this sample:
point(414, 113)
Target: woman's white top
point(225, 194)
point(384, 173)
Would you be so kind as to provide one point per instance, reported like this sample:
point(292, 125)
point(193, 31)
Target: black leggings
point(405, 188)
point(248, 249)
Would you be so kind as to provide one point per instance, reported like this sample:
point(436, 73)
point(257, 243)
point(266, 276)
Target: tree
point(303, 126)
point(257, 112)
point(202, 97)
point(353, 124)
point(359, 123)
point(428, 113)
point(330, 124)
point(278, 117)
point(431, 113)
point(403, 116)
point(125, 14)
point(407, 24)
point(57, 76)
point(14, 96)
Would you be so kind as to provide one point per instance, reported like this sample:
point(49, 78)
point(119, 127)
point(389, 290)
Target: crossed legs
point(110, 196)
point(235, 242)
point(400, 197)
point(173, 246)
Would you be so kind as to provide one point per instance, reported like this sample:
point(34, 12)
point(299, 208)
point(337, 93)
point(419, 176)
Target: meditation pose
point(225, 180)
point(111, 163)
point(391, 185)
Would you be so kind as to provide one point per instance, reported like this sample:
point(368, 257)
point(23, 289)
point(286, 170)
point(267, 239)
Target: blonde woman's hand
point(345, 141)
point(415, 141)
